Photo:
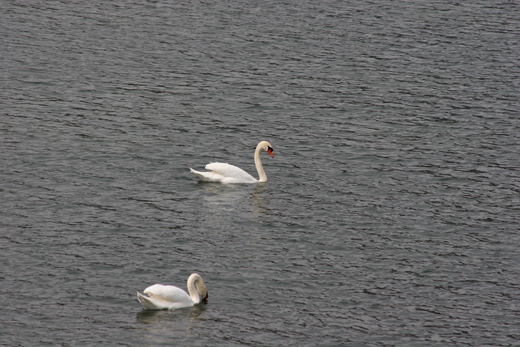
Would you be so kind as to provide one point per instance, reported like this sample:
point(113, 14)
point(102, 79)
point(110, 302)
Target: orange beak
point(270, 151)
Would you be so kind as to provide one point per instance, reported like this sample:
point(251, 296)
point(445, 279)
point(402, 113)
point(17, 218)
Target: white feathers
point(162, 297)
point(226, 173)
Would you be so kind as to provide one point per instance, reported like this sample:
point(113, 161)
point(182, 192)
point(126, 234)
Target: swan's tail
point(146, 302)
point(196, 172)
point(157, 302)
point(209, 176)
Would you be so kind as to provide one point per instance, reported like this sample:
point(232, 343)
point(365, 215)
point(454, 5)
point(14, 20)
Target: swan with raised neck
point(226, 173)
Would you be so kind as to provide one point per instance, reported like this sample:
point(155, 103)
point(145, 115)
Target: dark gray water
point(392, 208)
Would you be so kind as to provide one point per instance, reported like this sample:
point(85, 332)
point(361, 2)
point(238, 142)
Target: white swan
point(161, 297)
point(225, 173)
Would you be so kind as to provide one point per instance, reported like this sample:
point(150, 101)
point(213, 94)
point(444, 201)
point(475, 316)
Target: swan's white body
point(161, 297)
point(226, 173)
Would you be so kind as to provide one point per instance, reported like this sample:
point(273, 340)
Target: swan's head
point(266, 146)
point(202, 290)
point(205, 298)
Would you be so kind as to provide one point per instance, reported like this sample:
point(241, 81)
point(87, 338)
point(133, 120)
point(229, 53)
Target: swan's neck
point(258, 164)
point(192, 289)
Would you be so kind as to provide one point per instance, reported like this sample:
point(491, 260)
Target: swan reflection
point(159, 317)
point(159, 327)
point(222, 198)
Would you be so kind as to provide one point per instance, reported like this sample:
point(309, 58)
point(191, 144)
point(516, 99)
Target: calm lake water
point(391, 212)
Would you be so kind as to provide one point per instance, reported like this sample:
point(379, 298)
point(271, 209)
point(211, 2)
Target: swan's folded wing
point(156, 302)
point(171, 293)
point(231, 172)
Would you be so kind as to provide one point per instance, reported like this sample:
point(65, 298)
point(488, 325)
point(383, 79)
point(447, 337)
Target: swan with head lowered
point(161, 297)
point(226, 173)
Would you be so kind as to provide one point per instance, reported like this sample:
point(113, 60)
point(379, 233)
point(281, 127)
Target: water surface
point(391, 211)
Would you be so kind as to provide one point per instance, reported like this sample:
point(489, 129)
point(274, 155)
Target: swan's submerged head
point(205, 298)
point(201, 288)
point(203, 291)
